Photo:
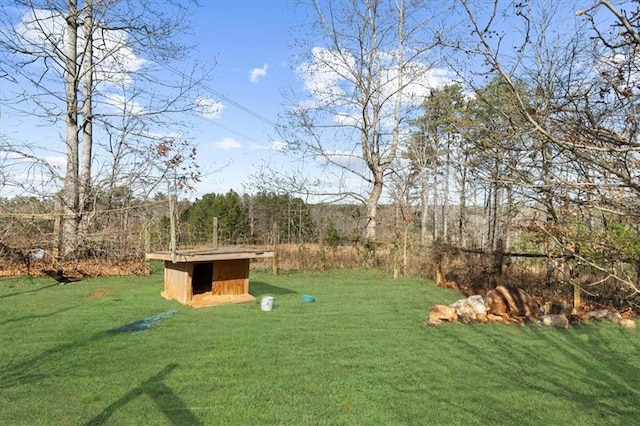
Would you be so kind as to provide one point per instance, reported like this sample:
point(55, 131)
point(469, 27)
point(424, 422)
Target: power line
point(230, 130)
point(220, 96)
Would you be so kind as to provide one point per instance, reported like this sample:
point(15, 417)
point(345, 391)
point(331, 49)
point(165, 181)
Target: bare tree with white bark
point(96, 67)
point(365, 75)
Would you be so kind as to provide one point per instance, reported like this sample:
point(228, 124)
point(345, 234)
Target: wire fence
point(116, 240)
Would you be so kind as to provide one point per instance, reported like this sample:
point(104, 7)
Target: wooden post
point(396, 261)
point(274, 236)
point(172, 221)
point(323, 255)
point(439, 273)
point(147, 238)
point(437, 255)
point(574, 280)
point(396, 243)
point(215, 233)
point(57, 235)
point(498, 262)
point(405, 245)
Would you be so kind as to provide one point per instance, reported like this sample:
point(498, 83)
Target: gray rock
point(555, 320)
point(471, 309)
point(605, 315)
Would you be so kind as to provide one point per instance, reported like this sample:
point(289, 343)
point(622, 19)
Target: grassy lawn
point(358, 355)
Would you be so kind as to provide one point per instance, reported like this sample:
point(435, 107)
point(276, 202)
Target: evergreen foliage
point(248, 219)
point(233, 225)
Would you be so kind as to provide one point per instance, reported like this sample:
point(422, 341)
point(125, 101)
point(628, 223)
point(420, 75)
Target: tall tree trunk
point(495, 205)
point(445, 198)
point(552, 218)
point(379, 163)
point(372, 206)
point(435, 199)
point(87, 117)
point(462, 216)
point(70, 195)
point(424, 199)
point(488, 206)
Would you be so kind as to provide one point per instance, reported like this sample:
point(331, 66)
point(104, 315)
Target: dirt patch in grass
point(101, 292)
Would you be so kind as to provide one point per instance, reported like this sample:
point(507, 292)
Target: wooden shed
point(208, 277)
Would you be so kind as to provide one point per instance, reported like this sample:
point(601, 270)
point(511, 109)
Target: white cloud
point(256, 73)
point(227, 143)
point(343, 156)
point(42, 28)
point(114, 59)
point(11, 159)
point(121, 103)
point(345, 119)
point(323, 76)
point(58, 162)
point(279, 146)
point(209, 108)
point(329, 78)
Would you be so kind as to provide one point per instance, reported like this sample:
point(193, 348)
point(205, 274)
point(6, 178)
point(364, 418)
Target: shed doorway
point(202, 279)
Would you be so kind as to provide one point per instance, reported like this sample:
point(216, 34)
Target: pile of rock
point(503, 304)
point(513, 305)
point(612, 316)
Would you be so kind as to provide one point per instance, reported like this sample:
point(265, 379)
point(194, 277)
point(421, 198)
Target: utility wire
point(220, 96)
point(230, 130)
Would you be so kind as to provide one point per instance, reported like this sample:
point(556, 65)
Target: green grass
point(358, 355)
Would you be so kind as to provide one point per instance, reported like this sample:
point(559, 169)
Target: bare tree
point(79, 63)
point(576, 120)
point(430, 149)
point(364, 80)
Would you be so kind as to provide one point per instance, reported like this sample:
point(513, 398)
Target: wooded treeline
point(310, 237)
point(129, 227)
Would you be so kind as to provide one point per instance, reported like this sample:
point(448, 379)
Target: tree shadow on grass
point(18, 293)
point(174, 408)
point(32, 370)
point(613, 380)
point(577, 365)
point(29, 370)
point(31, 317)
point(259, 288)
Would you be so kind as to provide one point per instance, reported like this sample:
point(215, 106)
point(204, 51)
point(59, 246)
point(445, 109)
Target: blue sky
point(249, 42)
point(247, 46)
point(250, 46)
point(253, 46)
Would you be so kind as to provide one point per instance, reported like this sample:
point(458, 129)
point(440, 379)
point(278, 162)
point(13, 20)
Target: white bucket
point(266, 303)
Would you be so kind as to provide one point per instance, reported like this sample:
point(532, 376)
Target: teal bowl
point(307, 298)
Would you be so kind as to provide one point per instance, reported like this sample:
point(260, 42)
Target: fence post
point(214, 233)
point(498, 261)
point(172, 222)
point(57, 235)
point(569, 262)
point(274, 237)
point(405, 245)
point(437, 255)
point(323, 255)
point(147, 238)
